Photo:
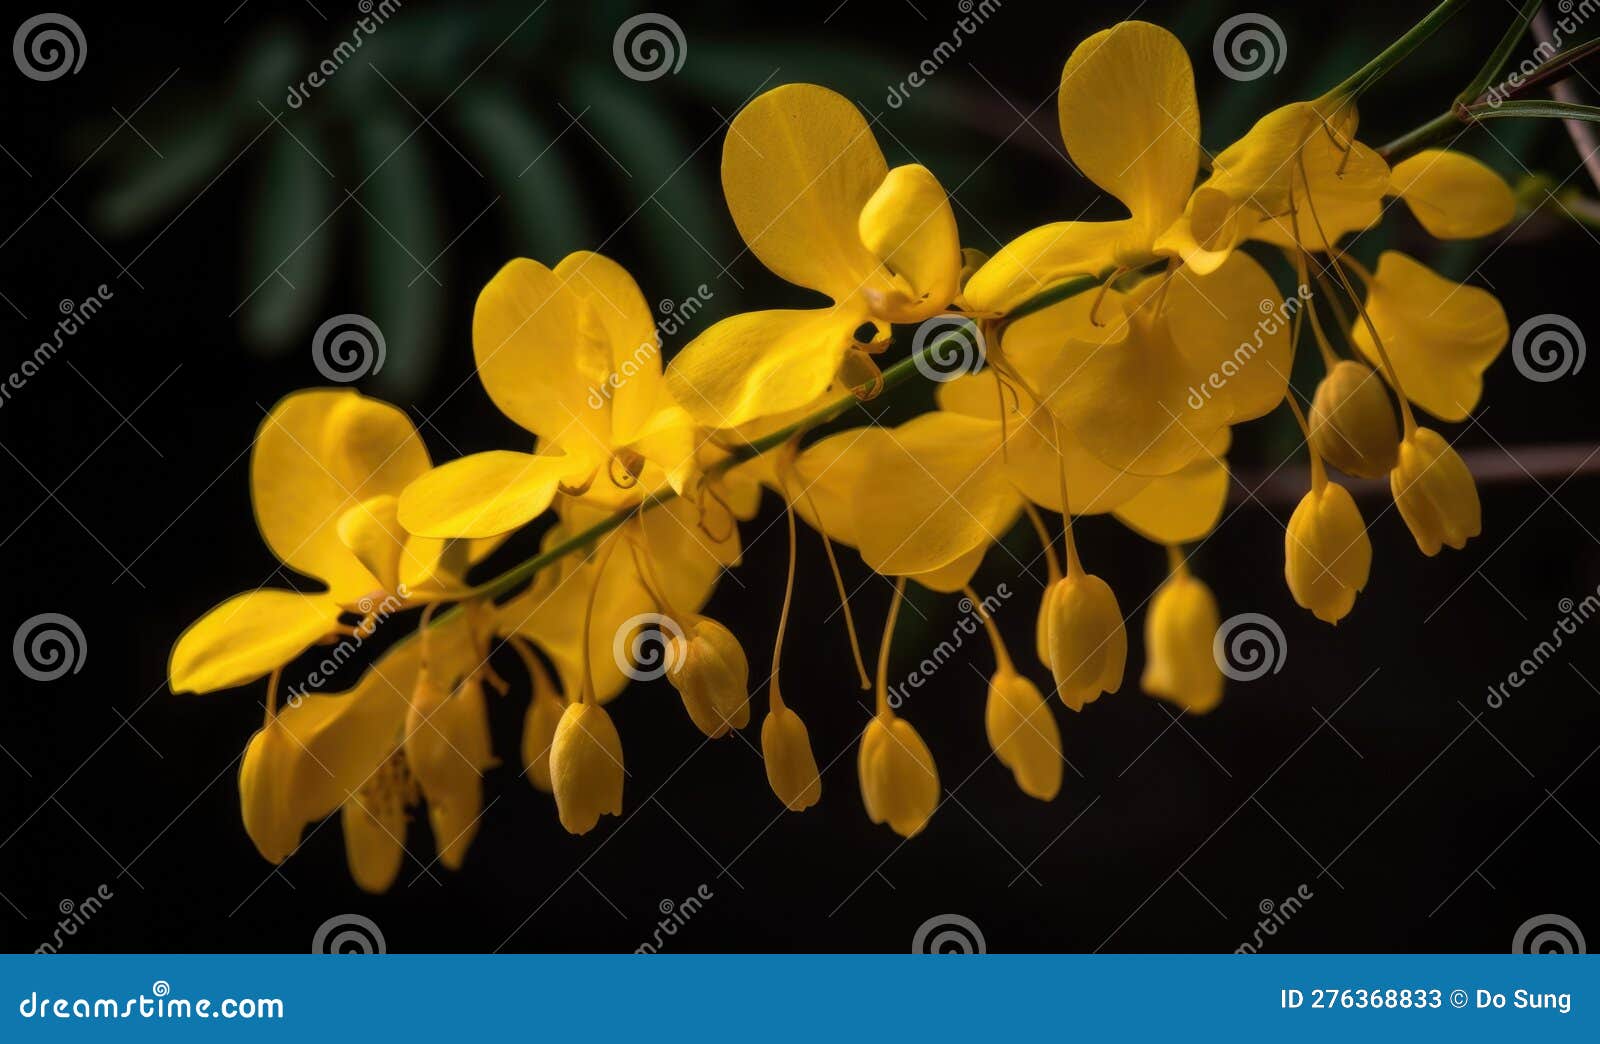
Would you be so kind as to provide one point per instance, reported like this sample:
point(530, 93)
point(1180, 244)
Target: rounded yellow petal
point(707, 665)
point(909, 226)
point(1327, 554)
point(1179, 508)
point(1179, 631)
point(612, 299)
point(1043, 257)
point(1453, 195)
point(1440, 335)
point(798, 165)
point(791, 765)
point(1087, 641)
point(318, 454)
point(374, 824)
point(586, 767)
point(264, 800)
point(1024, 734)
point(1435, 493)
point(247, 637)
point(372, 532)
point(899, 782)
point(447, 748)
point(1352, 421)
point(1233, 327)
point(486, 494)
point(1131, 122)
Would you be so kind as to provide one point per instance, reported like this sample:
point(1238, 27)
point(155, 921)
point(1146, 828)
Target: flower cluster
point(1120, 356)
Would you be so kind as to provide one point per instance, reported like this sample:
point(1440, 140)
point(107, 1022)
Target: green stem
point(1442, 126)
point(1502, 52)
point(1392, 55)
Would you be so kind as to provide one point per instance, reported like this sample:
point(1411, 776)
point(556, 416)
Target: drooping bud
point(539, 725)
point(707, 666)
point(1088, 644)
point(1178, 634)
point(1326, 552)
point(586, 767)
point(899, 783)
point(1352, 422)
point(264, 800)
point(374, 824)
point(1023, 734)
point(1435, 493)
point(791, 766)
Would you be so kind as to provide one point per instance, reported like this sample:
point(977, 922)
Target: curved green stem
point(1364, 77)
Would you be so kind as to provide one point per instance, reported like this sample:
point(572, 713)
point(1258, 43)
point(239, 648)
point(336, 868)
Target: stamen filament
point(586, 693)
point(838, 580)
point(1074, 567)
point(783, 614)
point(1052, 563)
point(883, 651)
point(1002, 659)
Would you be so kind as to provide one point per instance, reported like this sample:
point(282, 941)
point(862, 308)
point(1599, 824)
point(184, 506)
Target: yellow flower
point(572, 355)
point(539, 725)
point(586, 767)
point(1087, 641)
point(374, 825)
point(1326, 552)
point(707, 665)
point(1352, 421)
point(1435, 493)
point(1178, 635)
point(899, 783)
point(816, 202)
point(791, 766)
point(266, 800)
point(446, 750)
point(1023, 734)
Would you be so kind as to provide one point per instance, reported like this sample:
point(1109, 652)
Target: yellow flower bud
point(1435, 493)
point(538, 735)
point(791, 767)
point(1024, 734)
point(1326, 552)
point(899, 783)
point(264, 799)
point(586, 767)
point(1087, 642)
point(1178, 634)
point(1352, 421)
point(447, 749)
point(707, 666)
point(374, 823)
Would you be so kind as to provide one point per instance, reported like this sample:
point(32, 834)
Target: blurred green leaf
point(287, 256)
point(164, 183)
point(536, 183)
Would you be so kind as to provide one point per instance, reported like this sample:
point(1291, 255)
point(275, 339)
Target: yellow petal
point(1233, 327)
point(374, 824)
point(372, 532)
point(610, 297)
point(1352, 421)
point(908, 224)
point(1043, 257)
point(1327, 554)
point(899, 782)
point(1087, 641)
point(791, 765)
point(447, 748)
point(1269, 168)
point(1179, 508)
point(1179, 632)
point(1024, 734)
point(318, 454)
point(248, 636)
point(760, 363)
point(264, 800)
point(1441, 335)
point(485, 494)
point(798, 165)
point(1453, 195)
point(707, 665)
point(586, 767)
point(1435, 493)
point(1131, 122)
point(539, 726)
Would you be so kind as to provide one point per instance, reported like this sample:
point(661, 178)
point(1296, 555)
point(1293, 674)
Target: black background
point(1369, 769)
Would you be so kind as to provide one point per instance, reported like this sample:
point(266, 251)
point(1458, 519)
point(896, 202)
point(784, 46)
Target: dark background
point(1369, 769)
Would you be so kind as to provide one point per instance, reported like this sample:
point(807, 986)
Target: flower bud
point(791, 767)
point(1326, 552)
point(374, 823)
point(707, 666)
point(586, 767)
point(1352, 421)
point(1024, 734)
point(447, 749)
point(899, 783)
point(1435, 493)
point(539, 726)
point(1087, 642)
point(1178, 634)
point(264, 800)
